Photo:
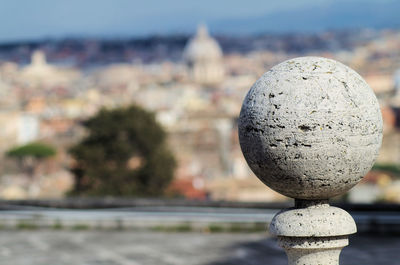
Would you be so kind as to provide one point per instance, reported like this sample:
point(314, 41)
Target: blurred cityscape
point(195, 85)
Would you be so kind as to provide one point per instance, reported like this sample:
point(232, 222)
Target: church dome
point(202, 47)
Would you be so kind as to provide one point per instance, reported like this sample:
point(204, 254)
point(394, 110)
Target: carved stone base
point(313, 232)
point(313, 251)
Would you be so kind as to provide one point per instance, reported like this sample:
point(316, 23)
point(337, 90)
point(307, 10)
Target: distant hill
point(321, 16)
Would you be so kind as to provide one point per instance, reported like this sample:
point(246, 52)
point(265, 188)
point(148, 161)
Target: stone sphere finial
point(310, 128)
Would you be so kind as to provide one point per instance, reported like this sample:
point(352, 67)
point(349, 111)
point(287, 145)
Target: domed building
point(203, 56)
point(40, 73)
point(39, 68)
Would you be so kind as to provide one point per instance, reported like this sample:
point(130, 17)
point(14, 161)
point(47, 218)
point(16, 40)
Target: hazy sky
point(33, 19)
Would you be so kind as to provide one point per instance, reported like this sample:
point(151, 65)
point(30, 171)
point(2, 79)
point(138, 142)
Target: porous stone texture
point(313, 251)
point(322, 221)
point(310, 128)
point(313, 232)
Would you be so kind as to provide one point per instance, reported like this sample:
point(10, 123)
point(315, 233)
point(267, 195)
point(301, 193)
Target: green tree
point(30, 155)
point(124, 154)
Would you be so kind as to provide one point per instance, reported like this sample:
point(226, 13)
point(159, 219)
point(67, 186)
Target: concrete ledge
point(170, 218)
point(106, 203)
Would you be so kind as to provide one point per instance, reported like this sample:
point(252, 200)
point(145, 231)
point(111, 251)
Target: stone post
point(310, 128)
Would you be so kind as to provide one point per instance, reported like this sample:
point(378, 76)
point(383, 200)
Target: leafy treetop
point(35, 149)
point(124, 154)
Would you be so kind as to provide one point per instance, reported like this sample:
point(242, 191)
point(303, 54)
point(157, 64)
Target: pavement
point(172, 236)
point(110, 247)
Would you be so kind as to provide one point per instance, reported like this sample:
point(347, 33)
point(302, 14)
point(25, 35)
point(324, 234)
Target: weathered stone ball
point(310, 128)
